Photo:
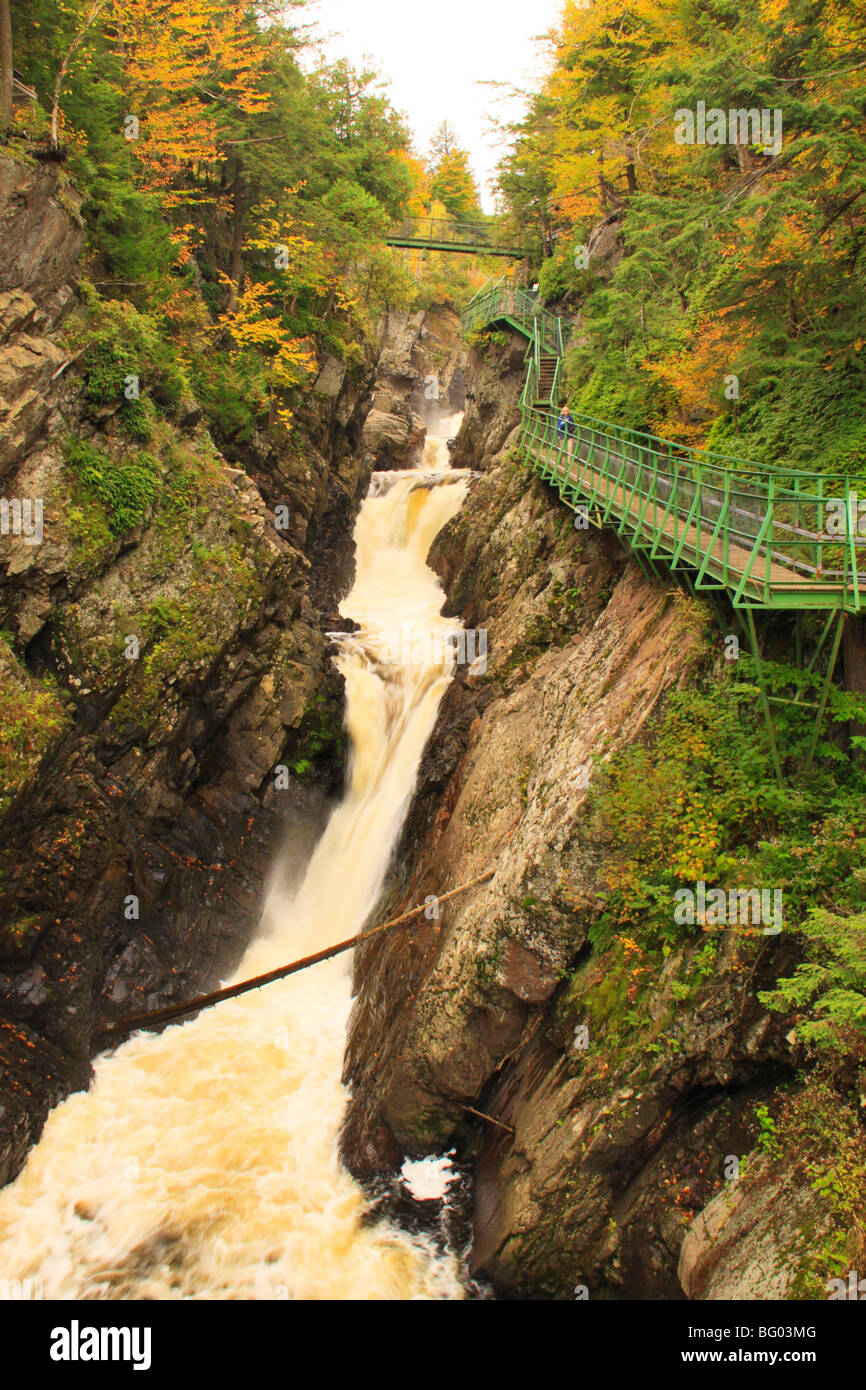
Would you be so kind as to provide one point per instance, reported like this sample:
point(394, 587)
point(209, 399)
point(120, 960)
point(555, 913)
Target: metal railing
point(439, 233)
point(767, 535)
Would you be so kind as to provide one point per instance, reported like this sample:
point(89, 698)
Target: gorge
point(217, 1173)
point(311, 633)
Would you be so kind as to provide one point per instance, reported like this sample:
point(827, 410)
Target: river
point(203, 1161)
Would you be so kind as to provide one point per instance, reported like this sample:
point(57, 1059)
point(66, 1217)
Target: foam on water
point(203, 1162)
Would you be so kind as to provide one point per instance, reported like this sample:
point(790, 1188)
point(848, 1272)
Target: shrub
point(127, 486)
point(701, 802)
point(123, 342)
point(831, 983)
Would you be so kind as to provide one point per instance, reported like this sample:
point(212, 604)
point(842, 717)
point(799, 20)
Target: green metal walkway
point(761, 534)
point(444, 234)
point(767, 537)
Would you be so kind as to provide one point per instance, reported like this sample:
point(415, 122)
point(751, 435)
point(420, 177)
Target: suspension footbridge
point(466, 238)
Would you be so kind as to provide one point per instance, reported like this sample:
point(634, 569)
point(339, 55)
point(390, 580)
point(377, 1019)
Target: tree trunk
point(610, 199)
point(854, 656)
point(236, 269)
point(6, 78)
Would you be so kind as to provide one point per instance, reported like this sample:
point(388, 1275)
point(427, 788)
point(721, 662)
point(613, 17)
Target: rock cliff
point(597, 1132)
point(163, 651)
point(580, 649)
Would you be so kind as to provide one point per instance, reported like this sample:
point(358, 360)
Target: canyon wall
point(594, 1141)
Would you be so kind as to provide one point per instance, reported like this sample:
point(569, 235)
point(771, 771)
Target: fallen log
point(205, 1001)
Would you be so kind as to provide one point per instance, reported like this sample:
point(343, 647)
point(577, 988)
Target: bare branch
point(95, 11)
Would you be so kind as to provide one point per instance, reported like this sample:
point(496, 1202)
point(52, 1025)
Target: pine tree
point(450, 177)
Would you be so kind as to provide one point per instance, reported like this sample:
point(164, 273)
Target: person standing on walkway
point(565, 427)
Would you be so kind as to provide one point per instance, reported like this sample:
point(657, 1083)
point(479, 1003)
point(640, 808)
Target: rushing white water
point(428, 1179)
point(203, 1162)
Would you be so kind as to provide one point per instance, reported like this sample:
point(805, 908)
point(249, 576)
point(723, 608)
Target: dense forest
point(235, 201)
point(741, 256)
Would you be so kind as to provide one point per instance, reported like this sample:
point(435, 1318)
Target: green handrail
point(446, 233)
point(756, 531)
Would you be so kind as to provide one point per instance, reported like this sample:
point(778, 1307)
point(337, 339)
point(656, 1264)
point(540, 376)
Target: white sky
point(435, 53)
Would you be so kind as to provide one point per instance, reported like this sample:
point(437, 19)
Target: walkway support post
point(825, 692)
point(768, 716)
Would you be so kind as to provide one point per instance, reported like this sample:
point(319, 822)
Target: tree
point(6, 76)
point(736, 259)
point(239, 202)
point(827, 989)
point(443, 144)
point(190, 66)
point(453, 185)
point(92, 15)
point(450, 177)
point(525, 176)
point(370, 140)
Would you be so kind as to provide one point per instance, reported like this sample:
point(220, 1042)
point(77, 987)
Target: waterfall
point(203, 1161)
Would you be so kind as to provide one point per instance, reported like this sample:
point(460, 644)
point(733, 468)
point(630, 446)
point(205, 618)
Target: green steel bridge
point(466, 238)
point(764, 536)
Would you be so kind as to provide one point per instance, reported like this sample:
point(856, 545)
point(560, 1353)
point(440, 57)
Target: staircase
point(547, 363)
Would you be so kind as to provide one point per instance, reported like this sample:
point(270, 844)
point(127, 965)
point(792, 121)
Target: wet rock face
point(390, 435)
point(42, 239)
point(606, 246)
point(41, 234)
point(616, 1149)
point(419, 381)
point(495, 377)
point(580, 650)
point(748, 1241)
